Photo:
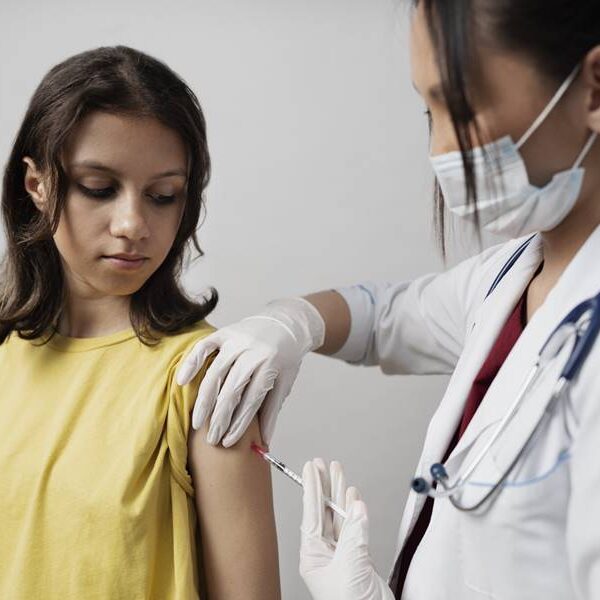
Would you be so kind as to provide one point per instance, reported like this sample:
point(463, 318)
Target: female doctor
point(512, 89)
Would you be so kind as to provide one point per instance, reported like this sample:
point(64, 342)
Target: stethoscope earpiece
point(420, 485)
point(438, 472)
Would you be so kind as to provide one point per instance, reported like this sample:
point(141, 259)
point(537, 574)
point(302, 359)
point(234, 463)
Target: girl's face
point(126, 196)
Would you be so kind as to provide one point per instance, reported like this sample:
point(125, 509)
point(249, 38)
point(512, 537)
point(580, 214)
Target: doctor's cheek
point(442, 137)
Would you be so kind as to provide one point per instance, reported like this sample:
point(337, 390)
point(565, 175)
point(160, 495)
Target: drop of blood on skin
point(257, 449)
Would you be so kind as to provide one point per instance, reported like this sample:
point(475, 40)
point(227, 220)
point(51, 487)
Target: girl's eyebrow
point(100, 167)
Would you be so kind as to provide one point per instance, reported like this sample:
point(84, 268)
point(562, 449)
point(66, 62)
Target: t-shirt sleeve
point(179, 416)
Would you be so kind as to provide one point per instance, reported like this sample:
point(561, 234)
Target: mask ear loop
point(550, 106)
point(586, 149)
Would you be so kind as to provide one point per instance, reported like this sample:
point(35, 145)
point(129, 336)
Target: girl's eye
point(107, 192)
point(160, 199)
point(97, 192)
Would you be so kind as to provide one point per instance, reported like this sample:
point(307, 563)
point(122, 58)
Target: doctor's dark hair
point(555, 34)
point(117, 80)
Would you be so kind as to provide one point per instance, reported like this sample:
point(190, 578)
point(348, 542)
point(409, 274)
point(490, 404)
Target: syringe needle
point(294, 477)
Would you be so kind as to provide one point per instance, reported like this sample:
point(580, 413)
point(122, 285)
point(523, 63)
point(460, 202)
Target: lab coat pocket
point(528, 516)
point(537, 488)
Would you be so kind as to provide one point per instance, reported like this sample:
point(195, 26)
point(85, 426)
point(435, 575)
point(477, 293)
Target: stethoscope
point(580, 328)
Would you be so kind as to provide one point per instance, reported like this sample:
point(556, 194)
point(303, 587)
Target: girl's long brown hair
point(118, 80)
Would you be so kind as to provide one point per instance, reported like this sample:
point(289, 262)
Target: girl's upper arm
point(234, 502)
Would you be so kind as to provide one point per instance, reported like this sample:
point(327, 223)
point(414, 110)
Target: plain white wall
point(320, 178)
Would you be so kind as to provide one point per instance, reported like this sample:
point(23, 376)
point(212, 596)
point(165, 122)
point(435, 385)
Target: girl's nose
point(128, 219)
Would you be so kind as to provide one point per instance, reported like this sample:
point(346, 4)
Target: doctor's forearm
point(336, 314)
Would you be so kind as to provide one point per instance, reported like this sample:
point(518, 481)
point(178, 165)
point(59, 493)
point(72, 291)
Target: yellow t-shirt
point(96, 501)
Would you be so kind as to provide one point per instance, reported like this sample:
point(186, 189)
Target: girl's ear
point(591, 74)
point(34, 184)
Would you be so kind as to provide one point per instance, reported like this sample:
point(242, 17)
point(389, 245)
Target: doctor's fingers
point(253, 400)
point(212, 382)
point(271, 407)
point(196, 357)
point(352, 494)
point(354, 535)
point(326, 487)
point(313, 513)
point(228, 398)
point(338, 494)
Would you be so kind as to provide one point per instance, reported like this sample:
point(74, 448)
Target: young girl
point(102, 192)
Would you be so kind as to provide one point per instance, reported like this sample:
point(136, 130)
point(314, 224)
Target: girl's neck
point(86, 318)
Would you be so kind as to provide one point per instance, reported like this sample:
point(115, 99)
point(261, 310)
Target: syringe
point(294, 477)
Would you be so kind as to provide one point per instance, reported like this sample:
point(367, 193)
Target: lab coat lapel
point(489, 320)
point(580, 281)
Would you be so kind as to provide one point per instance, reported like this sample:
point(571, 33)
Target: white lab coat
point(535, 541)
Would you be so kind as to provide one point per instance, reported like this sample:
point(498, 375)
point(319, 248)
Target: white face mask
point(507, 204)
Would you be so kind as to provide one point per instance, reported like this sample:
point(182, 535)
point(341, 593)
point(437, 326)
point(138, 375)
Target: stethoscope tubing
point(585, 332)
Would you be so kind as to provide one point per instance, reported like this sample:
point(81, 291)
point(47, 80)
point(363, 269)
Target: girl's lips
point(123, 263)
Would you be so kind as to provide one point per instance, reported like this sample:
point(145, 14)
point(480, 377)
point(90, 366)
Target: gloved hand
point(258, 361)
point(334, 556)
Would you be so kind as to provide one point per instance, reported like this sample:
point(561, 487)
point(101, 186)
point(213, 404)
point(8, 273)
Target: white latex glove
point(334, 555)
point(258, 361)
